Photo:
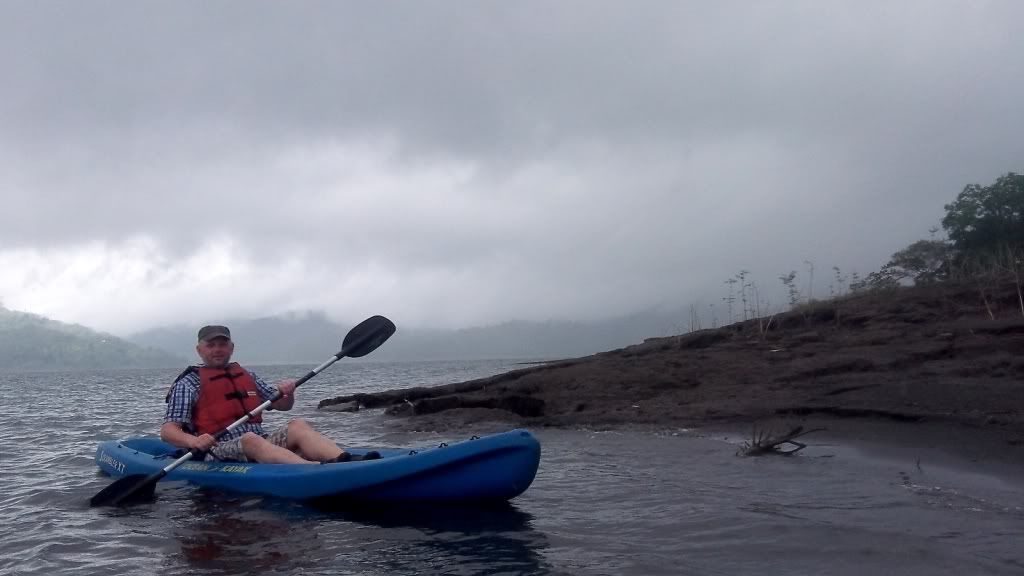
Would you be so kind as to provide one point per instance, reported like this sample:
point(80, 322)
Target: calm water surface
point(628, 503)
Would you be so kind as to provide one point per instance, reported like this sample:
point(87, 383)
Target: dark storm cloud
point(527, 159)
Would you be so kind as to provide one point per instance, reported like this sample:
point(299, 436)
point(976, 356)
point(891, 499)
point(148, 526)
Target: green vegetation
point(32, 342)
point(984, 220)
point(985, 226)
point(985, 229)
point(984, 248)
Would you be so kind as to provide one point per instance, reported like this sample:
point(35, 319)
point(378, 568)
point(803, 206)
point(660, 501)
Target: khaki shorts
point(232, 449)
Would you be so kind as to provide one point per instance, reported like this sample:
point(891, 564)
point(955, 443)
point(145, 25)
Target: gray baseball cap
point(211, 332)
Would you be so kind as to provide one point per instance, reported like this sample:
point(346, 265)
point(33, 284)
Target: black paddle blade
point(132, 489)
point(367, 336)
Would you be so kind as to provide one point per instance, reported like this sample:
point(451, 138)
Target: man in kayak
point(206, 399)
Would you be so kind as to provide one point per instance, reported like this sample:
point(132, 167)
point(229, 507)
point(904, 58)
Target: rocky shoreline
point(949, 354)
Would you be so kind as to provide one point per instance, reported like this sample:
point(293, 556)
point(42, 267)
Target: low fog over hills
point(313, 337)
point(33, 342)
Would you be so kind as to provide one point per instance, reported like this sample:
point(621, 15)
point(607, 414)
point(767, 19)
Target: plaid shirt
point(185, 393)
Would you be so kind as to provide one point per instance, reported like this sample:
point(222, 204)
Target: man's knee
point(251, 441)
point(298, 425)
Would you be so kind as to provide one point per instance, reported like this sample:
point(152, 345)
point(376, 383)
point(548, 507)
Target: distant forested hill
point(32, 342)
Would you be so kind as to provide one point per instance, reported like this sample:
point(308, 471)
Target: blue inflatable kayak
point(491, 468)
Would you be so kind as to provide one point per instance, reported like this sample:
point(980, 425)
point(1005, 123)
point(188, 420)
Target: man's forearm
point(173, 434)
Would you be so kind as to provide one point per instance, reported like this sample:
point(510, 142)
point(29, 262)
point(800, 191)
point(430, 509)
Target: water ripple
point(603, 503)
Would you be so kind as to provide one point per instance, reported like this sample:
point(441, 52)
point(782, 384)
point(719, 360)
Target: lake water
point(622, 503)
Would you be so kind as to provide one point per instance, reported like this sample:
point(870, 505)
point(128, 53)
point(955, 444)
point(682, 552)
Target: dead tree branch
point(766, 442)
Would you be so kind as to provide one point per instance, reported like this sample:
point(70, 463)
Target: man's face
point(215, 352)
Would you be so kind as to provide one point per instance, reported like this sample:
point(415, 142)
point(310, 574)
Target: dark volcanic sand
point(931, 355)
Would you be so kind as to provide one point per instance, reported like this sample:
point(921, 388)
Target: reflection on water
point(220, 533)
point(462, 540)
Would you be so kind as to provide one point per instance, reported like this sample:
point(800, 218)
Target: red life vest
point(225, 395)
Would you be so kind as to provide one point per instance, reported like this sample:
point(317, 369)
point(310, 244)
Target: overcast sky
point(462, 163)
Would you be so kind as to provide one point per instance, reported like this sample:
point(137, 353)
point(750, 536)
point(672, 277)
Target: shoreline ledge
point(936, 354)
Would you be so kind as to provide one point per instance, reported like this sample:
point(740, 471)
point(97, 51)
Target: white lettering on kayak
point(235, 468)
point(205, 467)
point(112, 462)
point(196, 466)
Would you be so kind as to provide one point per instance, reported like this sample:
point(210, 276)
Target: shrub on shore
point(984, 248)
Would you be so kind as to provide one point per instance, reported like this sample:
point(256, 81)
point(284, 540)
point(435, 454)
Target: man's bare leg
point(310, 443)
point(257, 449)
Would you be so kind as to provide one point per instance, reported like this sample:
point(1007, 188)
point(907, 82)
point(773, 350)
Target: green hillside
point(33, 342)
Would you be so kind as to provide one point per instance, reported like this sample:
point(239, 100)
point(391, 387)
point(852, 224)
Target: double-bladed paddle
point(135, 488)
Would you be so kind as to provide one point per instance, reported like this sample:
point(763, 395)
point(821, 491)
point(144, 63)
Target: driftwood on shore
point(765, 442)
